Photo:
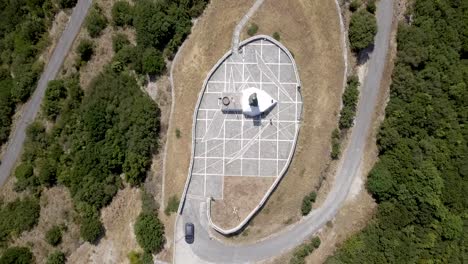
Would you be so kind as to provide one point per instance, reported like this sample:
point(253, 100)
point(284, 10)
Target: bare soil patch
point(311, 31)
point(241, 195)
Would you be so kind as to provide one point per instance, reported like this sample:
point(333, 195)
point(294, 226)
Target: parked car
point(189, 233)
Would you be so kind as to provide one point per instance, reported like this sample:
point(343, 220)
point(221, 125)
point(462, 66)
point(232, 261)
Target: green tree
point(96, 22)
point(17, 255)
point(122, 14)
point(85, 49)
point(149, 232)
point(362, 30)
point(91, 229)
point(153, 61)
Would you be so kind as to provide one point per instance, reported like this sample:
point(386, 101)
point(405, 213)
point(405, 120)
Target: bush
point(134, 257)
point(54, 236)
point(85, 49)
point(336, 144)
point(153, 61)
point(67, 3)
point(57, 257)
point(276, 36)
point(122, 14)
point(350, 100)
point(307, 203)
point(172, 205)
point(362, 29)
point(18, 216)
point(304, 250)
point(91, 229)
point(147, 258)
point(96, 22)
point(371, 7)
point(24, 174)
point(354, 5)
point(119, 41)
point(252, 30)
point(55, 92)
point(17, 255)
point(149, 232)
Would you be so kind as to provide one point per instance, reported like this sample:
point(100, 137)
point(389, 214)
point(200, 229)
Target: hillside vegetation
point(23, 35)
point(421, 179)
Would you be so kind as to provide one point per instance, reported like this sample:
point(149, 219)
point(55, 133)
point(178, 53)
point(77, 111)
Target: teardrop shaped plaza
point(246, 124)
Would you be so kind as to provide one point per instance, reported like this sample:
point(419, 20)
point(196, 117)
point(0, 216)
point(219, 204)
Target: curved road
point(15, 144)
point(206, 249)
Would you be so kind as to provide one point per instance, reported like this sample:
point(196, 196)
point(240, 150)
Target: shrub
point(54, 236)
point(350, 100)
point(178, 134)
point(57, 257)
point(24, 174)
point(153, 61)
point(252, 30)
point(85, 49)
point(55, 92)
point(96, 22)
point(354, 5)
point(307, 203)
point(91, 228)
point(119, 41)
point(362, 29)
point(122, 14)
point(18, 216)
point(371, 7)
point(134, 257)
point(172, 205)
point(149, 232)
point(18, 255)
point(304, 250)
point(277, 36)
point(336, 144)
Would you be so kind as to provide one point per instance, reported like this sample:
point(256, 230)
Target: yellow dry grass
point(241, 195)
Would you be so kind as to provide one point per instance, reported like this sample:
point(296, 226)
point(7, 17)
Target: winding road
point(15, 144)
point(206, 249)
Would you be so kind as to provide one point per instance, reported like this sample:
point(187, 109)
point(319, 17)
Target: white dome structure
point(255, 102)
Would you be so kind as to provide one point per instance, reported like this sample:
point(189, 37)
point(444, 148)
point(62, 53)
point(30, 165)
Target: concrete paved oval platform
point(230, 144)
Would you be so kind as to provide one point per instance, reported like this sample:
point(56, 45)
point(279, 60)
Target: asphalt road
point(207, 249)
point(15, 144)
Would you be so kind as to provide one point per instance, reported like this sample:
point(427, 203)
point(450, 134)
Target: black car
point(189, 233)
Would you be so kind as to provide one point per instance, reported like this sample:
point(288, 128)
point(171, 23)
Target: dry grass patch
point(118, 219)
point(241, 195)
point(56, 209)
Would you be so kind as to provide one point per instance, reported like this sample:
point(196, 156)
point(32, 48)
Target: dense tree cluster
point(23, 34)
point(421, 179)
point(161, 27)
